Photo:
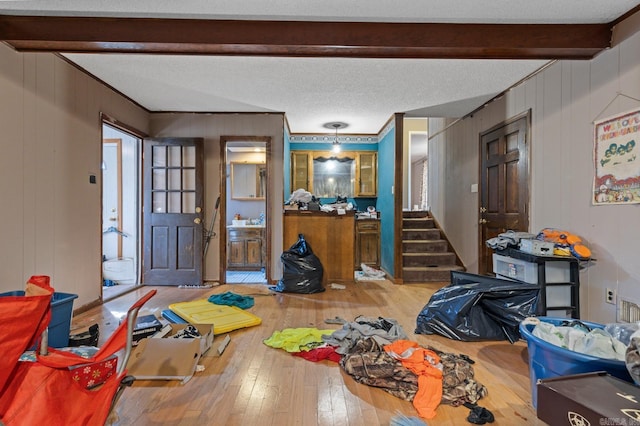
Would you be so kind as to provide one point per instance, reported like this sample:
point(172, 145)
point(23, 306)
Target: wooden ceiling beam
point(304, 39)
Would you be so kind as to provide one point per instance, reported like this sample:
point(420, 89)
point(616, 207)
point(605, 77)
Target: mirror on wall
point(248, 181)
point(333, 176)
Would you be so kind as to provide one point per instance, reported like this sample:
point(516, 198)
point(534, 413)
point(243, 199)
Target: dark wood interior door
point(504, 191)
point(173, 197)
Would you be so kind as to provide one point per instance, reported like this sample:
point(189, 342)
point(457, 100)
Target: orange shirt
point(426, 365)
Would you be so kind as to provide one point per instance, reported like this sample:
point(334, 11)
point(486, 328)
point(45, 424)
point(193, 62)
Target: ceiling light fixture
point(335, 125)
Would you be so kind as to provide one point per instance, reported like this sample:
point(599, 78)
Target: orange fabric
point(423, 363)
point(46, 393)
point(23, 320)
point(40, 395)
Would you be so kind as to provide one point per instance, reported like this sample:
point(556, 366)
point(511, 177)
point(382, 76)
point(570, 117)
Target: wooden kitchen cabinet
point(301, 171)
point(367, 174)
point(245, 249)
point(367, 245)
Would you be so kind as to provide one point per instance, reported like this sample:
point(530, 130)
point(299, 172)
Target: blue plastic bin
point(548, 360)
point(61, 312)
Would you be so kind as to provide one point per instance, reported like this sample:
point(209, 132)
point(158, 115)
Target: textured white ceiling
point(364, 93)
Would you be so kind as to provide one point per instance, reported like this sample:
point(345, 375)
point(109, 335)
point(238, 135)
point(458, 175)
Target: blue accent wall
point(384, 144)
point(385, 205)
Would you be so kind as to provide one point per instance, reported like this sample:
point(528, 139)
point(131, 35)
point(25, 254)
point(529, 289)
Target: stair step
point(414, 274)
point(414, 213)
point(428, 259)
point(425, 253)
point(419, 223)
point(424, 246)
point(421, 234)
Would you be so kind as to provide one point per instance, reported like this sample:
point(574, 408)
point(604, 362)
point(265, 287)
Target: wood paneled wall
point(51, 144)
point(564, 100)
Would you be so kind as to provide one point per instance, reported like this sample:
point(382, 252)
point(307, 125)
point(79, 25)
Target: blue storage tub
point(548, 360)
point(61, 313)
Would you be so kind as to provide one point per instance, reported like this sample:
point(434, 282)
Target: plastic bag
point(371, 272)
point(300, 196)
point(302, 270)
point(624, 332)
point(595, 342)
point(475, 307)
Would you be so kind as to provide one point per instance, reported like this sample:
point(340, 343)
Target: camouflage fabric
point(458, 383)
point(369, 364)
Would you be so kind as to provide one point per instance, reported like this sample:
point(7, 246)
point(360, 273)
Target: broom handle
point(210, 232)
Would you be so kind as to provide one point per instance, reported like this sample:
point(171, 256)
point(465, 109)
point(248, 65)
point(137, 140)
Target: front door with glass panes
point(173, 197)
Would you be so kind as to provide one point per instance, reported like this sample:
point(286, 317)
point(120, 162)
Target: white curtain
point(423, 187)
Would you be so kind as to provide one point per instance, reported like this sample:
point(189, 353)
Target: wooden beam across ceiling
point(304, 38)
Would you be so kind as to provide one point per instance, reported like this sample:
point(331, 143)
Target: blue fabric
point(232, 299)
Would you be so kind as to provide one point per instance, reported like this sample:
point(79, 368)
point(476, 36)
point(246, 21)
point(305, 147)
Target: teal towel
point(232, 299)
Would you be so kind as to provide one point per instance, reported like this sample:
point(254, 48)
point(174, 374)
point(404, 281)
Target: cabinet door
point(367, 244)
point(301, 171)
point(367, 174)
point(236, 253)
point(254, 252)
point(370, 247)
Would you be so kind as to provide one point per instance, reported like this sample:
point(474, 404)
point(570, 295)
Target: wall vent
point(629, 311)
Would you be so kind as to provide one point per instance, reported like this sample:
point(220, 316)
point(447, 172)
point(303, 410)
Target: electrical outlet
point(610, 296)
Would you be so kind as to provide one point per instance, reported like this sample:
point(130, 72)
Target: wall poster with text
point(617, 163)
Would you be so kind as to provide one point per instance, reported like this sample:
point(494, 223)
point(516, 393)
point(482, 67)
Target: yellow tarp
point(224, 318)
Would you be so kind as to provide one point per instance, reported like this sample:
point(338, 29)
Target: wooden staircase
point(426, 256)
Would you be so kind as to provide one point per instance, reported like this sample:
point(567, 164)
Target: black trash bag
point(475, 307)
point(302, 270)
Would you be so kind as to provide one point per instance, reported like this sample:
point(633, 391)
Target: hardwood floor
point(251, 383)
point(109, 293)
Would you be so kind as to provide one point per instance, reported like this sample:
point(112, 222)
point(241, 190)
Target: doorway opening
point(418, 151)
point(244, 214)
point(121, 218)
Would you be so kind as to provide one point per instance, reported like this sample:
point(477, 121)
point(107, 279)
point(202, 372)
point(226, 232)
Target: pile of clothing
point(377, 352)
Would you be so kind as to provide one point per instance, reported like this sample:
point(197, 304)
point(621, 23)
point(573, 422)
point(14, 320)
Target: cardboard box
point(589, 398)
point(205, 330)
point(163, 357)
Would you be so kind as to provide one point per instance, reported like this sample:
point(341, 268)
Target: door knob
point(197, 221)
point(482, 221)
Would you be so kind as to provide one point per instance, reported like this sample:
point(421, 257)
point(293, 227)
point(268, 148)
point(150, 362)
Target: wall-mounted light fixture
point(335, 125)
